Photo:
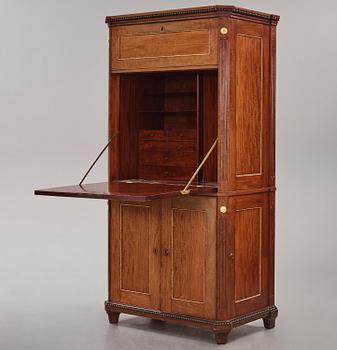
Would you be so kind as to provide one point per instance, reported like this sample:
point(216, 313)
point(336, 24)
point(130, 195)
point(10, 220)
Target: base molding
point(220, 328)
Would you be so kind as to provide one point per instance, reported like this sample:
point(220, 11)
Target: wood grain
point(164, 44)
point(186, 43)
point(248, 105)
point(188, 270)
point(189, 242)
point(248, 257)
point(134, 247)
point(135, 191)
point(247, 253)
point(134, 253)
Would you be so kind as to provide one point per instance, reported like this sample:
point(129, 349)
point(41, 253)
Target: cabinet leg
point(113, 317)
point(269, 322)
point(221, 338)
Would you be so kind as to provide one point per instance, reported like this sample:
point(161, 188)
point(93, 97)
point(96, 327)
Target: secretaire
point(191, 183)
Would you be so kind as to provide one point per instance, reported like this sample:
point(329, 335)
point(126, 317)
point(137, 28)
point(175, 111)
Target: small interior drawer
point(152, 135)
point(164, 44)
point(147, 145)
point(173, 157)
point(182, 135)
point(173, 172)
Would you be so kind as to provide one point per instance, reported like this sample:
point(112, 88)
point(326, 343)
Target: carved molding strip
point(228, 10)
point(270, 311)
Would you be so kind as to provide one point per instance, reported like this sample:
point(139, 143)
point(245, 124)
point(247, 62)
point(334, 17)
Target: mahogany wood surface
point(249, 117)
point(135, 253)
point(171, 120)
point(135, 191)
point(162, 44)
point(188, 267)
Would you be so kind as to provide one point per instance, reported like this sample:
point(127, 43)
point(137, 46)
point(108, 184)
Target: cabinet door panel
point(188, 276)
point(134, 253)
point(248, 255)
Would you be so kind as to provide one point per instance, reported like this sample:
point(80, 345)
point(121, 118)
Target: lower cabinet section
point(185, 258)
point(163, 255)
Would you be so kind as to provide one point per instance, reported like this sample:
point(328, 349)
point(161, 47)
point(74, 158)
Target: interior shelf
point(129, 190)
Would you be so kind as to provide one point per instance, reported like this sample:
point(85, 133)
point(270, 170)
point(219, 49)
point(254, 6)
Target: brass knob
point(223, 209)
point(223, 30)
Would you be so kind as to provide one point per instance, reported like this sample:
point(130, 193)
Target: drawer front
point(166, 44)
point(151, 172)
point(182, 135)
point(152, 135)
point(185, 135)
point(175, 158)
point(145, 145)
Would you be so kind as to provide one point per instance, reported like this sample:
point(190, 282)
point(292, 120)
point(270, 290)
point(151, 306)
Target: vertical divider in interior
point(210, 123)
point(128, 127)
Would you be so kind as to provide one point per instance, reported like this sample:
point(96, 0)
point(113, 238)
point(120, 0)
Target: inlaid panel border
point(172, 270)
point(120, 244)
point(261, 103)
point(260, 256)
point(163, 33)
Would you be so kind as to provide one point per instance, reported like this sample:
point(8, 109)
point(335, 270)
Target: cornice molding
point(205, 11)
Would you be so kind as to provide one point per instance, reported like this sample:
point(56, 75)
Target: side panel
point(189, 244)
point(247, 259)
point(134, 253)
point(250, 112)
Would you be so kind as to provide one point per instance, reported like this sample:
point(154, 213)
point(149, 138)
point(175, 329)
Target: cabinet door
point(188, 262)
point(134, 258)
point(249, 253)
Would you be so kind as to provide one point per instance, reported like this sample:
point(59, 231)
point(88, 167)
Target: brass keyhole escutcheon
point(223, 30)
point(223, 209)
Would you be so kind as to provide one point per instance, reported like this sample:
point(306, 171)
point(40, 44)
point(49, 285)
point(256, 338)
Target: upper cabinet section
point(174, 39)
point(164, 44)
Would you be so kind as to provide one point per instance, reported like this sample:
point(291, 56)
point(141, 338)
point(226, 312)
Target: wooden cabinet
point(191, 182)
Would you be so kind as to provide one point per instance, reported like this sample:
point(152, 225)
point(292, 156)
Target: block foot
point(113, 317)
point(221, 338)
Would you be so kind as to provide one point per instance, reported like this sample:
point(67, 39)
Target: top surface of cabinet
point(193, 12)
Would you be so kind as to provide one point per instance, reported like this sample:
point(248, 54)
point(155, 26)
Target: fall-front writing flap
point(132, 190)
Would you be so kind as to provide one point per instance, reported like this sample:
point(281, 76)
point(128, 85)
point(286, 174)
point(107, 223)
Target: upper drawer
point(167, 44)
